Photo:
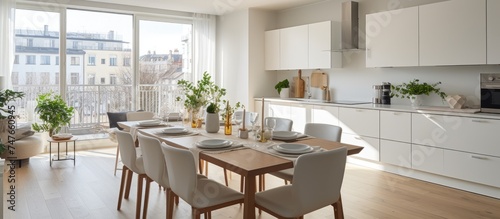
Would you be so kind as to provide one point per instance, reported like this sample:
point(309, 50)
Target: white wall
point(354, 81)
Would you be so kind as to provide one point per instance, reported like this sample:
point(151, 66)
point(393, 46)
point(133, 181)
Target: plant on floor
point(54, 113)
point(414, 87)
point(7, 113)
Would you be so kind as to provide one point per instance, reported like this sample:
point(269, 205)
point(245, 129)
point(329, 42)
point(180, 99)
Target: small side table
point(63, 157)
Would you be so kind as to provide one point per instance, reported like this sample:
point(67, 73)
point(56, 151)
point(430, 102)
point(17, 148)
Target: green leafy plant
point(211, 108)
point(7, 96)
point(230, 109)
point(201, 93)
point(282, 84)
point(414, 87)
point(54, 113)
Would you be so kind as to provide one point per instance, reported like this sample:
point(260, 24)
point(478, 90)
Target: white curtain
point(7, 15)
point(204, 27)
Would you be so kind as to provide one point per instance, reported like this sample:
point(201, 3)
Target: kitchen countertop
point(392, 107)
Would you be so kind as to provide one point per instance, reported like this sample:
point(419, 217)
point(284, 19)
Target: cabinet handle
point(396, 113)
point(358, 110)
point(479, 121)
point(478, 157)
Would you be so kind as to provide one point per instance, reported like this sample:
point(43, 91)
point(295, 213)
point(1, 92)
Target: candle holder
point(243, 133)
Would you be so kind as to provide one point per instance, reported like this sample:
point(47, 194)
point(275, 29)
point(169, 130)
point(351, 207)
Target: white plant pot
point(212, 124)
point(285, 93)
point(416, 100)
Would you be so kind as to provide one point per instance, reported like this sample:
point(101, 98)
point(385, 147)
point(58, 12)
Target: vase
point(212, 124)
point(285, 93)
point(416, 100)
point(195, 118)
point(228, 126)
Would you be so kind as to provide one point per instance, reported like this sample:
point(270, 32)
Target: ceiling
point(218, 7)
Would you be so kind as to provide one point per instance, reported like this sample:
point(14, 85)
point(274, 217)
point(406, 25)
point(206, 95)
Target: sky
point(154, 36)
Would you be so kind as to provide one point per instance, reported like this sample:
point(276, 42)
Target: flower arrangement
point(414, 87)
point(200, 94)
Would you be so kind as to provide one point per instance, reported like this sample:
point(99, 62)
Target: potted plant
point(6, 114)
point(414, 91)
point(283, 88)
point(54, 113)
point(212, 124)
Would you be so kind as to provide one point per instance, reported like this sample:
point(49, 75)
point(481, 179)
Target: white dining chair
point(204, 195)
point(132, 163)
point(318, 130)
point(317, 183)
point(132, 116)
point(282, 124)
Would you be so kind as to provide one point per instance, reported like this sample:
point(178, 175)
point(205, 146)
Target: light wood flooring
point(89, 190)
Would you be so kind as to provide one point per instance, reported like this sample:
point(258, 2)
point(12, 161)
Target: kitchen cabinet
point(279, 109)
point(493, 31)
point(472, 167)
point(467, 134)
point(272, 50)
point(392, 38)
point(395, 126)
point(453, 33)
point(395, 153)
point(370, 145)
point(301, 114)
point(362, 122)
point(294, 47)
point(320, 45)
point(427, 159)
point(325, 114)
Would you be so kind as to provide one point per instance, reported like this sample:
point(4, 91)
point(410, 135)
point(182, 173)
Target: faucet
point(308, 92)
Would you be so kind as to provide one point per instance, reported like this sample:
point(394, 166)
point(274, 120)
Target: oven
point(490, 93)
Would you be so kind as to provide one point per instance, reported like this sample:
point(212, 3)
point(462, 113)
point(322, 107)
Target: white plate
point(214, 143)
point(285, 135)
point(174, 130)
point(149, 123)
point(292, 148)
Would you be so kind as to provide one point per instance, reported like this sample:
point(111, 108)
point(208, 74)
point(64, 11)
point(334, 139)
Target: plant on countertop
point(282, 84)
point(414, 87)
point(54, 113)
point(6, 113)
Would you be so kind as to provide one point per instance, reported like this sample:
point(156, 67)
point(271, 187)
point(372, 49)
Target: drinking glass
point(271, 124)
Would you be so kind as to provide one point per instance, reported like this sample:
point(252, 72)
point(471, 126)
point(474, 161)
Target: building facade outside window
point(56, 78)
point(57, 60)
point(91, 79)
point(112, 60)
point(103, 80)
point(112, 79)
point(91, 61)
point(45, 78)
point(126, 61)
point(103, 61)
point(30, 78)
point(74, 78)
point(75, 60)
point(30, 60)
point(16, 59)
point(44, 60)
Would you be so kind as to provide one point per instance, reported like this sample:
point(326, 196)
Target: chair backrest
point(324, 131)
point(136, 116)
point(181, 168)
point(154, 161)
point(282, 124)
point(115, 117)
point(318, 179)
point(127, 151)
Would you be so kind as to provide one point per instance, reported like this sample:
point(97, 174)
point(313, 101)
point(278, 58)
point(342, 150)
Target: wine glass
point(165, 113)
point(238, 118)
point(271, 125)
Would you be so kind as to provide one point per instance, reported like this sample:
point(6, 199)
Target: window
point(112, 79)
point(29, 42)
point(30, 60)
point(103, 61)
point(15, 78)
point(126, 61)
point(44, 60)
point(57, 60)
point(16, 59)
point(103, 80)
point(91, 60)
point(75, 60)
point(74, 78)
point(112, 60)
point(76, 45)
point(56, 77)
point(91, 79)
point(45, 78)
point(30, 78)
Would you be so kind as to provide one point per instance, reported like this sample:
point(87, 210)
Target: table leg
point(50, 153)
point(249, 207)
point(58, 151)
point(74, 153)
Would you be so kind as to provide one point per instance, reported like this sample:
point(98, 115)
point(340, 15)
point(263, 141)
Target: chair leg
point(122, 185)
point(338, 210)
point(170, 204)
point(129, 182)
point(242, 183)
point(140, 178)
point(225, 177)
point(176, 200)
point(200, 166)
point(116, 159)
point(206, 168)
point(146, 198)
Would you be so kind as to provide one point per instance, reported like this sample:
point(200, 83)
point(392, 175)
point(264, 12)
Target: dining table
point(250, 160)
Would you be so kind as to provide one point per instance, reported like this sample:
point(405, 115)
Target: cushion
point(115, 117)
point(23, 133)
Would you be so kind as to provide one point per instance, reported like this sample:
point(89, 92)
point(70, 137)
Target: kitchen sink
point(345, 102)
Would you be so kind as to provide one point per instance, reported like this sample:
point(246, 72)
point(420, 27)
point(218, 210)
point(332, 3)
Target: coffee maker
point(382, 93)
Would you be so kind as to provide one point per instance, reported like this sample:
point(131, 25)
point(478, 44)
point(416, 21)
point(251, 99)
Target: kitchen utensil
point(299, 86)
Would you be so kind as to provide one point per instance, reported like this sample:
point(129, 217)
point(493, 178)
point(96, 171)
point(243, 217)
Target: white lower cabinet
point(428, 159)
point(325, 114)
point(472, 167)
point(395, 153)
point(301, 115)
point(370, 145)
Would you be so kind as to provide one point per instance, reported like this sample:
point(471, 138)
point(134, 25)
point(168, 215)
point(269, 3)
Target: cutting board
point(319, 79)
point(299, 85)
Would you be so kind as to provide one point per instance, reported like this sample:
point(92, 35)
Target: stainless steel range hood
point(350, 26)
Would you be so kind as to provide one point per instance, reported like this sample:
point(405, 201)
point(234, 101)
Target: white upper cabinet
point(453, 33)
point(320, 45)
point(493, 32)
point(294, 47)
point(272, 50)
point(392, 38)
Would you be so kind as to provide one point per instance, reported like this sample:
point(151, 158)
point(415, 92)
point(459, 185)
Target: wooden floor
point(89, 190)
